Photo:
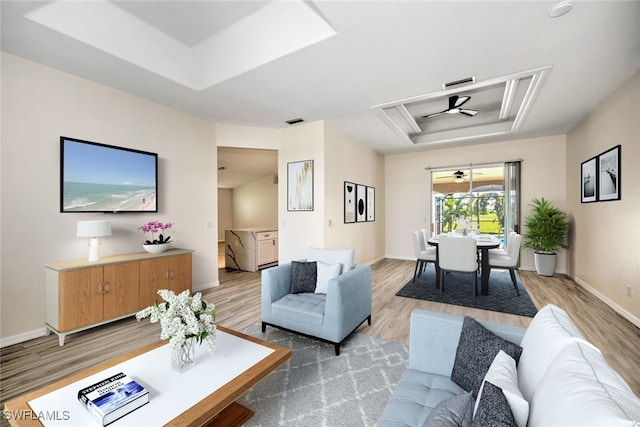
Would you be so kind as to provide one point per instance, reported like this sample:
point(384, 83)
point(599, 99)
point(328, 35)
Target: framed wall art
point(589, 181)
point(361, 203)
point(609, 174)
point(300, 186)
point(349, 202)
point(371, 204)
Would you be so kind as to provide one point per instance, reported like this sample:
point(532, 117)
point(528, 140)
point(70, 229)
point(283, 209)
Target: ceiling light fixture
point(561, 8)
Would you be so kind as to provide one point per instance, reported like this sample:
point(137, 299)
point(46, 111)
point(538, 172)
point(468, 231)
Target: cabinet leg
point(61, 339)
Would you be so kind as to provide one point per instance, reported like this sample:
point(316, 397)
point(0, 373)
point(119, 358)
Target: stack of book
point(113, 398)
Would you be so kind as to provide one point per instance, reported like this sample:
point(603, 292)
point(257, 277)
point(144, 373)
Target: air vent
point(294, 121)
point(458, 82)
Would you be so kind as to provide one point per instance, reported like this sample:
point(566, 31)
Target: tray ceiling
point(502, 105)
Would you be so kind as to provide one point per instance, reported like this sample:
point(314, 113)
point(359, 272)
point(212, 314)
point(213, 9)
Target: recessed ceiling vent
point(294, 121)
point(468, 80)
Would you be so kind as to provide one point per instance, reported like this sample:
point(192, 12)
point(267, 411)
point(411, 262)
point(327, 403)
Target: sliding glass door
point(486, 194)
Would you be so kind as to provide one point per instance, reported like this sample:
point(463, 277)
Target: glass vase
point(184, 357)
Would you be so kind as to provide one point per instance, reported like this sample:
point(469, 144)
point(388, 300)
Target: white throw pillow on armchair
point(333, 256)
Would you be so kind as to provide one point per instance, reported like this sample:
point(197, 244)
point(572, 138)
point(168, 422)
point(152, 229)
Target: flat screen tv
point(98, 177)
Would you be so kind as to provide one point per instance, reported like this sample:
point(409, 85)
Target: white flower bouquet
point(463, 224)
point(183, 316)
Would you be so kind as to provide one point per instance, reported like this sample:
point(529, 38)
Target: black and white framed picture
point(361, 203)
point(349, 202)
point(300, 186)
point(609, 174)
point(371, 204)
point(589, 181)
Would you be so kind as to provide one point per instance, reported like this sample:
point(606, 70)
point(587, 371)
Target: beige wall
point(300, 229)
point(255, 204)
point(39, 104)
point(347, 159)
point(407, 186)
point(606, 235)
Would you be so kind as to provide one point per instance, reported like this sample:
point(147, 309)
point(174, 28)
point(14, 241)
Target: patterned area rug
point(457, 291)
point(318, 388)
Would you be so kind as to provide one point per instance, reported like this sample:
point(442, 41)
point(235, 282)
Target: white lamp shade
point(96, 228)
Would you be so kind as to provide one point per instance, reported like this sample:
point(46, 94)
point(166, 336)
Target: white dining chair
point(509, 259)
point(458, 254)
point(423, 254)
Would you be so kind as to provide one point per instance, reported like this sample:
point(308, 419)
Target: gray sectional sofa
point(561, 379)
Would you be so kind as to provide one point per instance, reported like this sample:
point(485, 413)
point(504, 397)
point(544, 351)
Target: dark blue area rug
point(457, 291)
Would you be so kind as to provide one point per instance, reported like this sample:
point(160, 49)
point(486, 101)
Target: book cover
point(113, 398)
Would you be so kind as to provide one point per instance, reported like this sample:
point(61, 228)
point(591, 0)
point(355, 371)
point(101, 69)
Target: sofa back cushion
point(549, 332)
point(333, 256)
point(581, 389)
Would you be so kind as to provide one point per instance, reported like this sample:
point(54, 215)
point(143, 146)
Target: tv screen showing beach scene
point(97, 177)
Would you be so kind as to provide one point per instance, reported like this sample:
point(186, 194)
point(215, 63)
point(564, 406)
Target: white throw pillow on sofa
point(550, 331)
point(326, 272)
point(333, 256)
point(581, 389)
point(503, 374)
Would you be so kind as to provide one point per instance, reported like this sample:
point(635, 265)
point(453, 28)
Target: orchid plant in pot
point(161, 243)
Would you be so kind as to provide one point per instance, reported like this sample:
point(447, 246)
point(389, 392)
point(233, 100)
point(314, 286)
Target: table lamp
point(93, 230)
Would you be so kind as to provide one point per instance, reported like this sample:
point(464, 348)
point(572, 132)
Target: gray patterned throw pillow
point(493, 409)
point(303, 277)
point(477, 348)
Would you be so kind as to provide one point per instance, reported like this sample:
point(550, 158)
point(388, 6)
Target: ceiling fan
point(458, 175)
point(455, 102)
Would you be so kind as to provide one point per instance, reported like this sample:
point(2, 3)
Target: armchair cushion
point(333, 256)
point(303, 277)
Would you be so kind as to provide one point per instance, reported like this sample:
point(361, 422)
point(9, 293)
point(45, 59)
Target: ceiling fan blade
point(461, 100)
point(428, 116)
point(452, 101)
point(469, 113)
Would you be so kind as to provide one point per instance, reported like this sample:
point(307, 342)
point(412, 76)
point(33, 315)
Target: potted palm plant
point(546, 232)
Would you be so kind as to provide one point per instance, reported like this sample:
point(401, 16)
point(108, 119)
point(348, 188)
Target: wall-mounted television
point(97, 177)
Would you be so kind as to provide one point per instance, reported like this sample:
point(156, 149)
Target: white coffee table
point(202, 395)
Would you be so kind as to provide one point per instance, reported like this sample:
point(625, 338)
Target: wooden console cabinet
point(82, 294)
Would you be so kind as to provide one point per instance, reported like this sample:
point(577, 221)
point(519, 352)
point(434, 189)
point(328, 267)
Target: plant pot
point(156, 249)
point(545, 263)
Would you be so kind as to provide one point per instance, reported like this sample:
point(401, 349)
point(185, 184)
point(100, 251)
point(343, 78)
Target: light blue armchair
point(330, 317)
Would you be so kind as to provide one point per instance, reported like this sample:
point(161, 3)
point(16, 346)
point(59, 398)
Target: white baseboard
point(205, 286)
point(402, 257)
point(25, 336)
point(373, 261)
point(618, 309)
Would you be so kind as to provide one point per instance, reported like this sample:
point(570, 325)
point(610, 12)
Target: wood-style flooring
point(33, 364)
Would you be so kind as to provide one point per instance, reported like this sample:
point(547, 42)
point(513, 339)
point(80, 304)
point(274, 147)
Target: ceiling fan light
point(458, 180)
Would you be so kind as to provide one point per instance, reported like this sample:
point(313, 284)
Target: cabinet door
point(122, 296)
point(154, 275)
point(80, 297)
point(180, 273)
point(267, 251)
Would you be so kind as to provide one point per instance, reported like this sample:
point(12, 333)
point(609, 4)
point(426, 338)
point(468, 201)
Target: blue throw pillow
point(493, 409)
point(456, 411)
point(303, 277)
point(476, 350)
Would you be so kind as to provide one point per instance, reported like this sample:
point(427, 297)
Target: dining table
point(484, 243)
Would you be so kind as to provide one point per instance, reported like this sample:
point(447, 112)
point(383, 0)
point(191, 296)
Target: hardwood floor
point(33, 364)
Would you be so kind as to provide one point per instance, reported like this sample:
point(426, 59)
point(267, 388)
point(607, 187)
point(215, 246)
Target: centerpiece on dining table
point(185, 320)
point(463, 225)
